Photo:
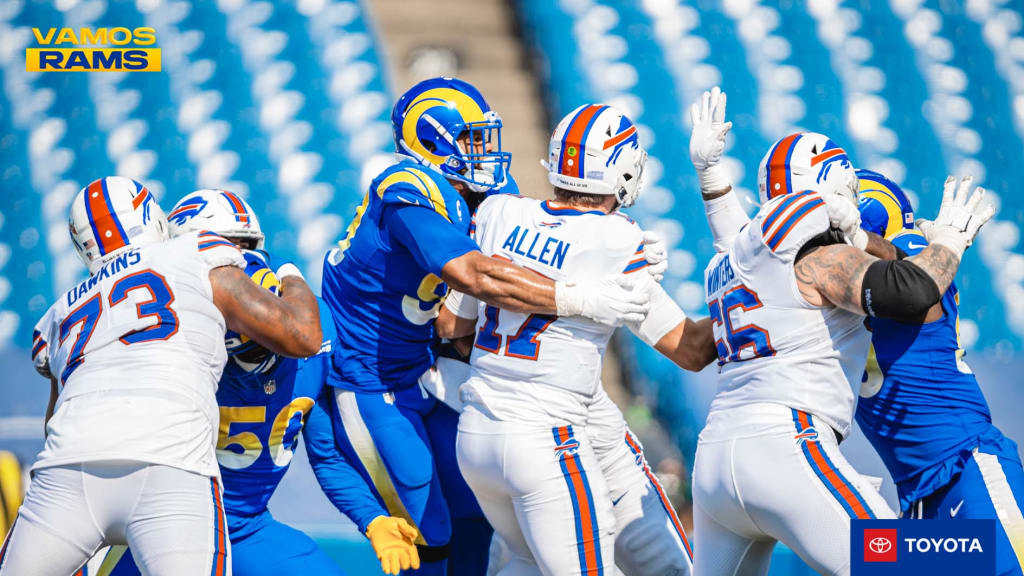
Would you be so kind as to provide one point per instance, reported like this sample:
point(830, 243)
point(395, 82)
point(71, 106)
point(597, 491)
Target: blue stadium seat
point(908, 90)
point(283, 102)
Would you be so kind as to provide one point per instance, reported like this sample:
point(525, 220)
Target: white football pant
point(172, 519)
point(649, 538)
point(543, 492)
point(765, 473)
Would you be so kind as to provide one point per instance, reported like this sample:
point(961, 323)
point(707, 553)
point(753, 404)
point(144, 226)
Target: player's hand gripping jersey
point(384, 286)
point(537, 367)
point(144, 326)
point(772, 345)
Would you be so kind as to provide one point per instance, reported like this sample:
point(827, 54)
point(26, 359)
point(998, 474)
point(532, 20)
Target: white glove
point(610, 300)
point(961, 215)
point(707, 140)
point(656, 254)
point(844, 216)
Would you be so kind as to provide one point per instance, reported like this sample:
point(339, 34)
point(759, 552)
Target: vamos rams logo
point(93, 50)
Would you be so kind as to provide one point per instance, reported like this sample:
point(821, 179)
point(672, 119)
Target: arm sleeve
point(217, 251)
point(432, 240)
point(462, 305)
point(663, 315)
point(338, 478)
point(726, 217)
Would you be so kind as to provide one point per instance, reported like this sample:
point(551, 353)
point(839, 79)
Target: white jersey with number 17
point(542, 368)
point(138, 349)
point(773, 346)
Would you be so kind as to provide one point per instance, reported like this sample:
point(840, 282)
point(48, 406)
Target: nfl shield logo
point(270, 387)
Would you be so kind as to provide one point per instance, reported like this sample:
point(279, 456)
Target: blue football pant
point(990, 486)
point(260, 546)
point(404, 442)
point(471, 533)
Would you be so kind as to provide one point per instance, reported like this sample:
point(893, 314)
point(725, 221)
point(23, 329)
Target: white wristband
point(568, 299)
point(713, 179)
point(288, 269)
point(860, 239)
point(951, 239)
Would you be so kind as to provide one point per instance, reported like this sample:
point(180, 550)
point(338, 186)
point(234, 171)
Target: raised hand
point(961, 215)
point(707, 139)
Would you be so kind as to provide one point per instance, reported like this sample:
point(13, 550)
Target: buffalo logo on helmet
point(827, 157)
point(626, 136)
point(187, 209)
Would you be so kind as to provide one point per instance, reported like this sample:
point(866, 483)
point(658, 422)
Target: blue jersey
point(383, 283)
point(261, 416)
point(927, 412)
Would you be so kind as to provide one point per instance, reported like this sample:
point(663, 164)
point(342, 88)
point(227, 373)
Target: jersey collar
point(566, 211)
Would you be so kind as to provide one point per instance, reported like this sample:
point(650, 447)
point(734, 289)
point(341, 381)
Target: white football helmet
point(219, 211)
point(112, 214)
point(596, 150)
point(806, 161)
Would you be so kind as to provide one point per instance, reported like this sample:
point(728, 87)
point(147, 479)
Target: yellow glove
point(394, 541)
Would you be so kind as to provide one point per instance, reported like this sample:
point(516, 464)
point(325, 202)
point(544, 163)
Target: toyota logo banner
point(882, 547)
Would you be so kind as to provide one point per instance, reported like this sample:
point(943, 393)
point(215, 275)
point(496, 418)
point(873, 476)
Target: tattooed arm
point(288, 325)
point(940, 263)
point(832, 275)
point(835, 275)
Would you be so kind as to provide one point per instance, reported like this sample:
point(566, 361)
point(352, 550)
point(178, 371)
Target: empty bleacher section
point(909, 91)
point(283, 103)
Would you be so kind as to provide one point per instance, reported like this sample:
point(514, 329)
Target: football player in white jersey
point(649, 539)
point(135, 352)
point(524, 444)
point(787, 305)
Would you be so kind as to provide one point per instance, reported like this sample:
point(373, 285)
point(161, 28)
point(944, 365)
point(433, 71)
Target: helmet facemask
point(446, 125)
point(474, 154)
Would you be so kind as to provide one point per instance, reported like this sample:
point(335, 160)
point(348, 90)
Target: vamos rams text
point(93, 50)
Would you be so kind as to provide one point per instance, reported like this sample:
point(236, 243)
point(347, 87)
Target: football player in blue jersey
point(384, 284)
point(921, 407)
point(264, 401)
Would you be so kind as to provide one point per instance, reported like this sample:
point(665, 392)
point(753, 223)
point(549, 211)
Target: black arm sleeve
point(898, 289)
point(826, 238)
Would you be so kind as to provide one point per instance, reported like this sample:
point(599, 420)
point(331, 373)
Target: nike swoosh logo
point(616, 501)
point(912, 245)
point(955, 510)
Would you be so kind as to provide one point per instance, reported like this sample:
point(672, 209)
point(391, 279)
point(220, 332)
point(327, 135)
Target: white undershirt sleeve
point(663, 315)
point(726, 217)
point(462, 305)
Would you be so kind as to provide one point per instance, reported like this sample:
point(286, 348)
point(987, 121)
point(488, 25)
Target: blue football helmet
point(884, 208)
point(247, 354)
point(445, 124)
